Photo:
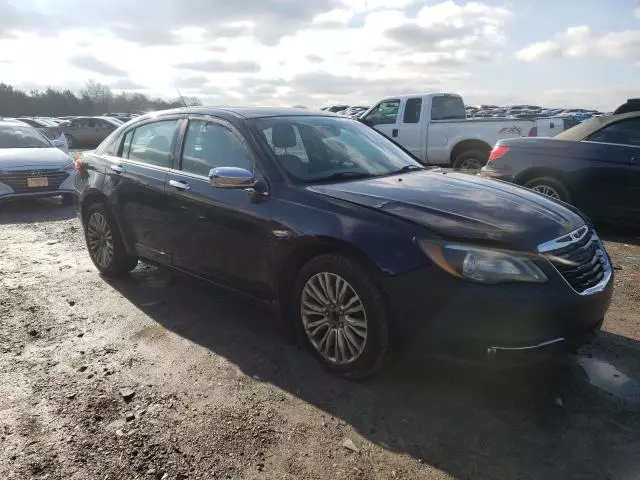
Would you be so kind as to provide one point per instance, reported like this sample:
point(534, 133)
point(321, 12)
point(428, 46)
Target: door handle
point(179, 185)
point(116, 168)
point(394, 132)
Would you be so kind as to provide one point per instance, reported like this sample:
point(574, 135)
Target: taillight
point(497, 152)
point(533, 132)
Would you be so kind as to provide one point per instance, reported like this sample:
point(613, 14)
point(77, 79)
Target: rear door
point(409, 129)
point(136, 177)
point(221, 234)
point(611, 183)
point(384, 117)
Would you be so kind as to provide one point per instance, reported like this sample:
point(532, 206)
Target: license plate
point(34, 182)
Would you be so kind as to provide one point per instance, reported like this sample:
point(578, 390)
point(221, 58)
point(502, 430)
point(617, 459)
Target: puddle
point(605, 376)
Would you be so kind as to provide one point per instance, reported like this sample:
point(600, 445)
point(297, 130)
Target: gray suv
point(88, 131)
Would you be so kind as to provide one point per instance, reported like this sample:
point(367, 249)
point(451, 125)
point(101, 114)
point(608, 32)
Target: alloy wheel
point(471, 164)
point(100, 239)
point(334, 318)
point(547, 190)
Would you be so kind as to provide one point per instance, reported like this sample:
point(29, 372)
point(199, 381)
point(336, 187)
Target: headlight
point(483, 265)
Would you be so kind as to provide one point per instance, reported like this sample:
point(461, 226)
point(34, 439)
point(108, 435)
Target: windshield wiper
point(342, 176)
point(408, 168)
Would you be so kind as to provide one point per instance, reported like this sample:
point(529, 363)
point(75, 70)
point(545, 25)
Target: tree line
point(93, 99)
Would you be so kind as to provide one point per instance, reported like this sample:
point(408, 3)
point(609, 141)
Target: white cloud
point(539, 51)
point(636, 12)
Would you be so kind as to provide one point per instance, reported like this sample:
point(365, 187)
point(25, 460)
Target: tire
point(71, 142)
point(353, 357)
point(471, 160)
point(100, 226)
point(550, 187)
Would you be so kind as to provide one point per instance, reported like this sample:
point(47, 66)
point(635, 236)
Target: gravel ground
point(163, 377)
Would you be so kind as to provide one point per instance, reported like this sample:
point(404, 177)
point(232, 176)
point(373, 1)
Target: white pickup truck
point(434, 128)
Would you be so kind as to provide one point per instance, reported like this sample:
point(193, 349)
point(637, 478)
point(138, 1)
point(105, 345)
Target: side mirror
point(231, 177)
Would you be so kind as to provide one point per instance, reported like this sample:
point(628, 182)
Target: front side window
point(385, 113)
point(151, 143)
point(209, 145)
point(447, 108)
point(315, 149)
point(625, 132)
point(412, 110)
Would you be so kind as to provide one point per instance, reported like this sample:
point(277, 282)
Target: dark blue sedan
point(356, 244)
point(594, 166)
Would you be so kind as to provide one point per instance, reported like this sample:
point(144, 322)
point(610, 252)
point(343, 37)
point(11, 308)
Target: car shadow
point(619, 233)
point(549, 421)
point(34, 210)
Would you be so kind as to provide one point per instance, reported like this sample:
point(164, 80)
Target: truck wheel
point(471, 160)
point(342, 315)
point(550, 187)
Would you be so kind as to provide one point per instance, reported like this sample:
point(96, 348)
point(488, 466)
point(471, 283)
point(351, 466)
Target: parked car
point(32, 165)
point(334, 108)
point(594, 166)
point(551, 126)
point(358, 244)
point(88, 131)
point(435, 129)
point(49, 128)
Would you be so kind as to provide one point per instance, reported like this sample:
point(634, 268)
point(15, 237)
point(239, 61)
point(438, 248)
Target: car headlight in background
point(483, 265)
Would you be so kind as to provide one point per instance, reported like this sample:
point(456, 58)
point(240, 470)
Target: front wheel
point(105, 244)
point(343, 316)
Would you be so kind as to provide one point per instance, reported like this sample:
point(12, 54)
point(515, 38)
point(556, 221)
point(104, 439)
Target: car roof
point(240, 112)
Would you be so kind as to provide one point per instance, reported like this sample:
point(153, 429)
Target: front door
point(611, 183)
point(220, 234)
point(384, 117)
point(137, 175)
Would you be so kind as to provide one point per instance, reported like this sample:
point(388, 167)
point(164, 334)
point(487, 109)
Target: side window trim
point(614, 124)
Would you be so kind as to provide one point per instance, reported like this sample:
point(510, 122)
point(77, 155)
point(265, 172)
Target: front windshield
point(22, 136)
point(314, 149)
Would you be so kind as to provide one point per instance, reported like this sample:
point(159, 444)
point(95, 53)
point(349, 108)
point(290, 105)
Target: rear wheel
point(471, 160)
point(105, 244)
point(550, 187)
point(342, 315)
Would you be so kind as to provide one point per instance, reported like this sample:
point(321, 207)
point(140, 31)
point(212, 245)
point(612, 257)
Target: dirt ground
point(164, 377)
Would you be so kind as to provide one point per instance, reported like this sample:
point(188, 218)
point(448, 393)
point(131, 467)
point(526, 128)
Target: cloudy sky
point(573, 53)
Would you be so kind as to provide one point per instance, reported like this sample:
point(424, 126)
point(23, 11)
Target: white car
point(435, 129)
point(31, 165)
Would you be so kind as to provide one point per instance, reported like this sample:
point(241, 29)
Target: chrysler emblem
point(35, 173)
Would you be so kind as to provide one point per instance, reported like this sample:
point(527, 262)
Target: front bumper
point(67, 187)
point(437, 313)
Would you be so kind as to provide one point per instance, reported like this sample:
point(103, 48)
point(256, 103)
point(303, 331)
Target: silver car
point(88, 131)
point(31, 165)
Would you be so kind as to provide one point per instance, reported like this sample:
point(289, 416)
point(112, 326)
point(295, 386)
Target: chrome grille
point(581, 260)
point(17, 180)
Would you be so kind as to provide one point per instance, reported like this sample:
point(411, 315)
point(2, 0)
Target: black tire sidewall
point(122, 262)
point(459, 160)
point(557, 185)
point(377, 344)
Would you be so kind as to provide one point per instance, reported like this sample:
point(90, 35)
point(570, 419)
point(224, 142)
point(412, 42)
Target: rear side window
point(412, 110)
point(209, 145)
point(625, 132)
point(151, 143)
point(447, 108)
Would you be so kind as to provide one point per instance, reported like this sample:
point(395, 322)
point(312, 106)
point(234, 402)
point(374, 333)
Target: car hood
point(463, 207)
point(21, 158)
